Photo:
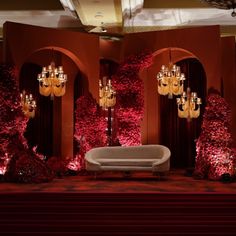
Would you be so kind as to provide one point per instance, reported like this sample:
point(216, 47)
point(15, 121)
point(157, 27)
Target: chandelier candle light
point(28, 104)
point(188, 105)
point(107, 95)
point(52, 81)
point(107, 100)
point(170, 79)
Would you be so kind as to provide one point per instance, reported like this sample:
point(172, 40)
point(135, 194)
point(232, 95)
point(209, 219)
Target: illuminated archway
point(62, 109)
point(153, 125)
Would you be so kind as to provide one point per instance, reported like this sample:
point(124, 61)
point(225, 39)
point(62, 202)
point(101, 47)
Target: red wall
point(110, 49)
point(21, 41)
point(206, 49)
point(77, 52)
point(216, 54)
point(203, 42)
point(82, 52)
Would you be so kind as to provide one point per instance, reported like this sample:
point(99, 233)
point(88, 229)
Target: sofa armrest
point(163, 164)
point(91, 164)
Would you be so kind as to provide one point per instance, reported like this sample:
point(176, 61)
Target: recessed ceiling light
point(98, 16)
point(112, 38)
point(103, 29)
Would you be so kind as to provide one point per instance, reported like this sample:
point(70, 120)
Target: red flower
point(130, 104)
point(90, 128)
point(215, 155)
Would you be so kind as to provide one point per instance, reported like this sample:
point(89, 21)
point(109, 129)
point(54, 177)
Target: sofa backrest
point(133, 152)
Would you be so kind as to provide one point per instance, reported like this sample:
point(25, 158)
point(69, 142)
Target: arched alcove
point(39, 130)
point(60, 110)
point(161, 122)
point(108, 68)
point(178, 133)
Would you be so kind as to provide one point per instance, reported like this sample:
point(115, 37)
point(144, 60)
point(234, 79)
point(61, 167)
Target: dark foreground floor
point(141, 205)
point(107, 182)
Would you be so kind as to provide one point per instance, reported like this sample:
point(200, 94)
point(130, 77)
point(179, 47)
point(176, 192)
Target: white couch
point(155, 158)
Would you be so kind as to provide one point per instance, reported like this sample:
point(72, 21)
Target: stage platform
point(114, 205)
point(111, 182)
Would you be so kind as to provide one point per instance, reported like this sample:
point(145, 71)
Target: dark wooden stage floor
point(113, 205)
point(175, 182)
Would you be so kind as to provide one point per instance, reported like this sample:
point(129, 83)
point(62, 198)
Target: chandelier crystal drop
point(28, 104)
point(52, 81)
point(189, 105)
point(107, 95)
point(170, 80)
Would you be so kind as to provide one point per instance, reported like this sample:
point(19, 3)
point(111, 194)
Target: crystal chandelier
point(52, 81)
point(223, 4)
point(188, 105)
point(170, 79)
point(107, 95)
point(28, 104)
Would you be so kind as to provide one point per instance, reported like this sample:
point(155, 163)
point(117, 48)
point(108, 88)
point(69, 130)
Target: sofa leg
point(157, 174)
point(95, 175)
point(127, 174)
point(160, 175)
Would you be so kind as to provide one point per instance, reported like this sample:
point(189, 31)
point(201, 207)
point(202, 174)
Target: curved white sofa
point(155, 158)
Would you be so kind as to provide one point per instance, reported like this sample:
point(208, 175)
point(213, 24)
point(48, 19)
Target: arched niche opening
point(177, 133)
point(108, 68)
point(60, 110)
point(161, 124)
point(39, 131)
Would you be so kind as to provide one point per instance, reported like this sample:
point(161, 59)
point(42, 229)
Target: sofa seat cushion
point(126, 162)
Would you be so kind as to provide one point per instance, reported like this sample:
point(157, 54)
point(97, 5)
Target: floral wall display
point(90, 130)
point(17, 162)
point(216, 157)
point(90, 122)
point(129, 106)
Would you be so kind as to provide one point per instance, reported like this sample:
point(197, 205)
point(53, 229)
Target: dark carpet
point(140, 205)
point(107, 182)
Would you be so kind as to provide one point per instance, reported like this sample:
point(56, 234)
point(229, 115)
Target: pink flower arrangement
point(76, 163)
point(13, 122)
point(21, 164)
point(90, 123)
point(215, 154)
point(25, 168)
point(130, 103)
point(58, 166)
point(90, 129)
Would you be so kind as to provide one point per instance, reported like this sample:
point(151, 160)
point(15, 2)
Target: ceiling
point(116, 16)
